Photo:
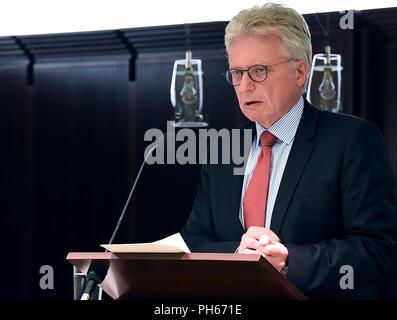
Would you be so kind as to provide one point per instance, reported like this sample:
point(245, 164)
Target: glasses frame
point(229, 77)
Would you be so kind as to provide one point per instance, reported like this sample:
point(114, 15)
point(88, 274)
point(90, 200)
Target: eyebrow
point(255, 64)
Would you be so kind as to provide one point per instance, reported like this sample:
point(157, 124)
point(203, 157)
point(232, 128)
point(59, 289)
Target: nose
point(246, 84)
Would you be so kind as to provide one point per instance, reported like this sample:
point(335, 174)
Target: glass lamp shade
point(187, 93)
point(325, 81)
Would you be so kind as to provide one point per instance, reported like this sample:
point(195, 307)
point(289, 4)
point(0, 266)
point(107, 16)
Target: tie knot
point(268, 139)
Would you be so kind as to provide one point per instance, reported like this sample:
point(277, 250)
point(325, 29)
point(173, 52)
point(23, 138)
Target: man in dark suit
point(316, 201)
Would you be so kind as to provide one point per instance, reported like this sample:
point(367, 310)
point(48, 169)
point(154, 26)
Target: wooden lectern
point(187, 275)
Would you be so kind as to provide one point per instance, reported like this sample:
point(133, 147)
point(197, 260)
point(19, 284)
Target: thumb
point(275, 249)
point(264, 240)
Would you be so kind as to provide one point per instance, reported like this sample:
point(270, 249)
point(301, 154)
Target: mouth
point(252, 104)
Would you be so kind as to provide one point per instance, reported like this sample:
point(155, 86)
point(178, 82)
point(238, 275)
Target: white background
point(25, 17)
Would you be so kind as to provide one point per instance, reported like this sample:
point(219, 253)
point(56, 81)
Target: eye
point(236, 73)
point(259, 70)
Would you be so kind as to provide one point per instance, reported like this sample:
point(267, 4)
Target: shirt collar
point(285, 127)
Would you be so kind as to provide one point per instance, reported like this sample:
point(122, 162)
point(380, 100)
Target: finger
point(257, 232)
point(276, 249)
point(272, 235)
point(249, 242)
point(264, 240)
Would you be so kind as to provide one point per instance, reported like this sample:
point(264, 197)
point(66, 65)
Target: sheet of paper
point(171, 244)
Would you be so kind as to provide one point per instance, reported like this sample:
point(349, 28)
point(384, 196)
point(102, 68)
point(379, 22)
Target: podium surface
point(186, 275)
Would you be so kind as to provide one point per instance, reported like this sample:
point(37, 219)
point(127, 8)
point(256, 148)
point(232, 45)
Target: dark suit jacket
point(334, 207)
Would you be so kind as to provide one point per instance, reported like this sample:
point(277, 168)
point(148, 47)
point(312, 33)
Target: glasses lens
point(258, 73)
point(234, 76)
point(229, 77)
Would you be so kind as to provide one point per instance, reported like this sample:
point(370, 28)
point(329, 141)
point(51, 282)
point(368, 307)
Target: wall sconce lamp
point(325, 78)
point(187, 92)
point(187, 89)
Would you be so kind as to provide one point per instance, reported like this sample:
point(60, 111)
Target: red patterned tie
point(255, 198)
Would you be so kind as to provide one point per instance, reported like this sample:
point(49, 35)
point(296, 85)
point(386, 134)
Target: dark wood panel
point(14, 167)
point(81, 162)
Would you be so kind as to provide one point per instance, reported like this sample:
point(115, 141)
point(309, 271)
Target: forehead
point(250, 49)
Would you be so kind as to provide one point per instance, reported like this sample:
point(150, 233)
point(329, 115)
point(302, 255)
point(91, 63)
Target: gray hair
point(277, 19)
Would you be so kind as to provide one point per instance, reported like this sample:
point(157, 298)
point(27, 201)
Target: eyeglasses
point(257, 73)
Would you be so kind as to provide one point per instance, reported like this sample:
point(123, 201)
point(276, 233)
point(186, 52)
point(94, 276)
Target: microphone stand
point(96, 275)
point(130, 195)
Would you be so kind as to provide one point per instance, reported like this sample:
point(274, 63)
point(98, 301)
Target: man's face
point(266, 102)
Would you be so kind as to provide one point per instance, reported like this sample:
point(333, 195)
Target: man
point(317, 194)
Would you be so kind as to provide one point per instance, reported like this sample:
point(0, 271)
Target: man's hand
point(267, 243)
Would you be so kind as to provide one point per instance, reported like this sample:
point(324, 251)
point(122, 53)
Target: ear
point(302, 71)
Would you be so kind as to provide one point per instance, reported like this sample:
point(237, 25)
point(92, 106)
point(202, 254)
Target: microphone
point(96, 275)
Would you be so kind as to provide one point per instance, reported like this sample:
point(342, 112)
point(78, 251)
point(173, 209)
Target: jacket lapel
point(297, 160)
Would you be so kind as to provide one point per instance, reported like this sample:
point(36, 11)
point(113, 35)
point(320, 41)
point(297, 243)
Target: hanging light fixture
point(187, 89)
point(325, 78)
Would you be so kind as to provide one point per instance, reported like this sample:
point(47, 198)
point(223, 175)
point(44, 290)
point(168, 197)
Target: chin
point(252, 115)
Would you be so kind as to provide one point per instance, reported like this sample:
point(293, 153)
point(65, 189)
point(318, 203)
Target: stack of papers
point(171, 244)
